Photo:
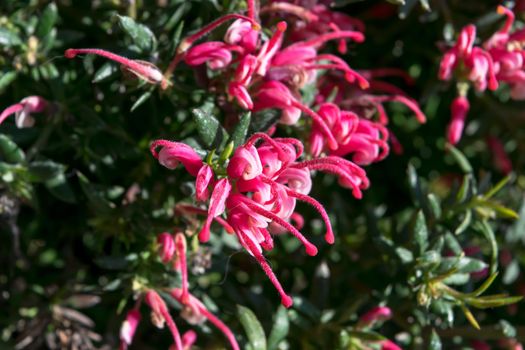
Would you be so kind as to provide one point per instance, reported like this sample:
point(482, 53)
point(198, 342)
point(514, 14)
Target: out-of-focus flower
point(23, 110)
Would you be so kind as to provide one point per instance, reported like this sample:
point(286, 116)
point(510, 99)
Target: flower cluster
point(257, 190)
point(172, 250)
point(500, 59)
point(269, 74)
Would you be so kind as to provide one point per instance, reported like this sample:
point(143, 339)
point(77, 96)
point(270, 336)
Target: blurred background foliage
point(81, 199)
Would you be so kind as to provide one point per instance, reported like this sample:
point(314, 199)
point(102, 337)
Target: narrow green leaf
point(460, 159)
point(492, 301)
point(281, 326)
point(366, 335)
point(141, 35)
point(469, 316)
point(465, 222)
point(42, 171)
point(435, 206)
point(252, 327)
point(487, 231)
point(497, 187)
point(241, 130)
point(512, 272)
point(6, 79)
point(452, 243)
point(484, 286)
point(435, 341)
point(9, 151)
point(143, 98)
point(421, 232)
point(107, 70)
point(9, 38)
point(210, 131)
point(498, 208)
point(47, 21)
point(60, 188)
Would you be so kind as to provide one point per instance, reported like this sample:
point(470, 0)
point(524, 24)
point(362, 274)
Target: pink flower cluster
point(269, 74)
point(500, 59)
point(258, 190)
point(172, 250)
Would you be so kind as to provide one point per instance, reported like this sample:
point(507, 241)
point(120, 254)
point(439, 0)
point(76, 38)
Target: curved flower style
point(23, 110)
point(142, 69)
point(260, 191)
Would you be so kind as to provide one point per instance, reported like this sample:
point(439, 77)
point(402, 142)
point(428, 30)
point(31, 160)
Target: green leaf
point(95, 194)
point(435, 341)
point(141, 35)
point(41, 171)
point(107, 70)
point(470, 317)
point(210, 131)
point(435, 206)
point(368, 336)
point(281, 326)
point(241, 130)
point(60, 188)
point(8, 38)
point(404, 255)
point(465, 222)
point(9, 151)
point(462, 264)
point(460, 159)
point(492, 301)
point(421, 232)
point(253, 328)
point(512, 272)
point(487, 231)
point(453, 244)
point(498, 208)
point(143, 98)
point(47, 21)
point(6, 79)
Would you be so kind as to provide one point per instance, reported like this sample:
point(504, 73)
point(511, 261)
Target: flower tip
point(501, 9)
point(287, 301)
point(364, 85)
point(204, 235)
point(70, 53)
point(311, 249)
point(329, 238)
point(281, 26)
point(256, 26)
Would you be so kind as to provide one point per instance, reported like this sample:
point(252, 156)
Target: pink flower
point(128, 328)
point(459, 109)
point(167, 246)
point(144, 70)
point(389, 345)
point(195, 312)
point(174, 152)
point(23, 111)
point(478, 65)
point(500, 157)
point(480, 345)
point(160, 314)
point(245, 163)
point(241, 33)
point(377, 314)
point(203, 180)
point(216, 53)
point(188, 339)
point(220, 193)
